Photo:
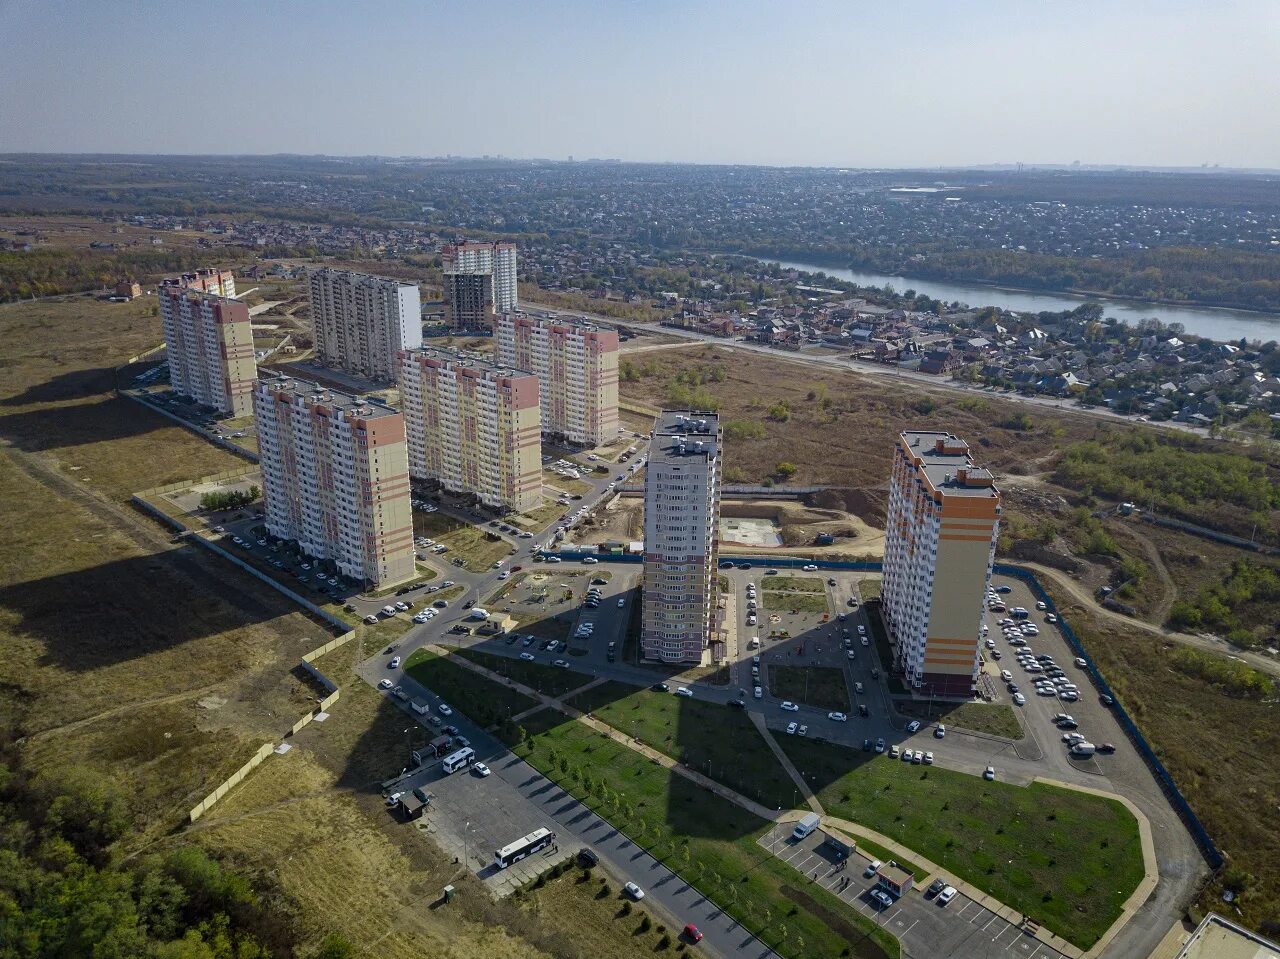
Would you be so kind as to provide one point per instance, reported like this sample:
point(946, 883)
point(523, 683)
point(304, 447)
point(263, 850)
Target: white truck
point(807, 824)
point(1083, 750)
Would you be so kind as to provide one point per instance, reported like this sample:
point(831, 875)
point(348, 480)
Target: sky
point(858, 83)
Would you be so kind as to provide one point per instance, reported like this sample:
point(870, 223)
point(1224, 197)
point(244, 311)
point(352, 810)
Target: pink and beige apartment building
point(335, 478)
point(940, 542)
point(577, 368)
point(681, 537)
point(473, 426)
point(217, 282)
point(479, 283)
point(209, 344)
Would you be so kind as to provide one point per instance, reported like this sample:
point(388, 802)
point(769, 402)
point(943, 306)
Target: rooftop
point(463, 360)
point(680, 434)
point(1219, 938)
point(366, 407)
point(362, 276)
point(944, 460)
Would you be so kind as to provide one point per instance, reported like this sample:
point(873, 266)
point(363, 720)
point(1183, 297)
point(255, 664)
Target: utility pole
point(465, 852)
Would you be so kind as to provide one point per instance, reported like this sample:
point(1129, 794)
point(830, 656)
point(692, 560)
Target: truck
point(1083, 750)
point(807, 824)
point(419, 706)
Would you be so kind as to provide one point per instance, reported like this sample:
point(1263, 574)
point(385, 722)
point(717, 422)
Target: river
point(1217, 324)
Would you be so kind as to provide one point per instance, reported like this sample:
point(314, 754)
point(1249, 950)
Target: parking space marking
point(1008, 925)
point(994, 917)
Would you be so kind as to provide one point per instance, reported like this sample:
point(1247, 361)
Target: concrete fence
point(234, 780)
point(223, 477)
point(200, 431)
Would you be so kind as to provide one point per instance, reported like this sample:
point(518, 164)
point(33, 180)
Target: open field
point(716, 740)
point(820, 686)
point(797, 584)
point(1066, 859)
point(471, 543)
point(537, 518)
point(484, 701)
point(551, 680)
point(794, 601)
point(708, 841)
point(550, 478)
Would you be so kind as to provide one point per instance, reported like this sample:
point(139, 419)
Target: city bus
point(462, 758)
point(514, 852)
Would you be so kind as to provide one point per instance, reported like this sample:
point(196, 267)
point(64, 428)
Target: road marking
point(1038, 948)
point(964, 909)
point(910, 927)
point(994, 917)
point(1007, 927)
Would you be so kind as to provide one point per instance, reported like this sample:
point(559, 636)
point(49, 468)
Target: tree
point(335, 946)
point(785, 470)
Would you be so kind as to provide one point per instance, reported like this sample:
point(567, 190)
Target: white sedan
point(634, 891)
point(809, 567)
point(384, 684)
point(444, 709)
point(481, 770)
point(790, 707)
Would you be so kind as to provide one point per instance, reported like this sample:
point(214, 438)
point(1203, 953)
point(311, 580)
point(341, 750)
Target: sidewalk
point(785, 761)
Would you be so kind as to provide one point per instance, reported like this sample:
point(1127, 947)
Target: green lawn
point(552, 680)
point(538, 517)
point(869, 587)
point(465, 541)
point(821, 686)
point(797, 602)
point(483, 700)
point(1066, 859)
point(994, 720)
point(712, 738)
point(799, 584)
point(706, 840)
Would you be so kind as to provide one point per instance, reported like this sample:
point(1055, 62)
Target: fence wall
point(1213, 534)
point(234, 780)
point(1162, 775)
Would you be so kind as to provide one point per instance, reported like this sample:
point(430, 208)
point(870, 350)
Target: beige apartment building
point(479, 283)
point(940, 543)
point(473, 427)
point(681, 537)
point(577, 368)
point(335, 478)
point(362, 322)
point(209, 344)
point(217, 282)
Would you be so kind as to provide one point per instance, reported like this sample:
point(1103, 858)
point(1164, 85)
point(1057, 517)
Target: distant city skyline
point(1151, 83)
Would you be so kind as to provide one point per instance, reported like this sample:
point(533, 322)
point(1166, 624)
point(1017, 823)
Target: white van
point(478, 612)
point(807, 824)
point(755, 642)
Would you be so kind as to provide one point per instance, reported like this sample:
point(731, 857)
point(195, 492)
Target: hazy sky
point(845, 82)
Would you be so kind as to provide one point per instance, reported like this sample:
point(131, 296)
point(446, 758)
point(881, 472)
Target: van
point(478, 612)
point(807, 824)
point(1083, 750)
point(755, 642)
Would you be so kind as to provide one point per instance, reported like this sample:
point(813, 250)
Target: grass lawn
point(538, 517)
point(994, 720)
point(423, 574)
point(796, 602)
point(465, 541)
point(712, 738)
point(482, 699)
point(1066, 859)
point(708, 841)
point(551, 680)
point(564, 484)
point(799, 584)
point(821, 686)
point(869, 587)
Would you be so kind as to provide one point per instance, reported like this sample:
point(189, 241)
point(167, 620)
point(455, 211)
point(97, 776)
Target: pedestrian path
point(785, 762)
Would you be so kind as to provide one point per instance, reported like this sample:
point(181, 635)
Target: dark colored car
point(587, 859)
point(935, 887)
point(660, 687)
point(866, 746)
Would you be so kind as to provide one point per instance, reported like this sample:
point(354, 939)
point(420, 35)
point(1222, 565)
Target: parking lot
point(962, 928)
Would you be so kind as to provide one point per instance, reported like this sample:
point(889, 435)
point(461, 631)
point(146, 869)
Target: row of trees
point(229, 499)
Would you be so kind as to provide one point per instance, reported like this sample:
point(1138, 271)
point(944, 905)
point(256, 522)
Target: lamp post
point(466, 862)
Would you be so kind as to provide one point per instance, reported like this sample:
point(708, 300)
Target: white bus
point(514, 852)
point(462, 758)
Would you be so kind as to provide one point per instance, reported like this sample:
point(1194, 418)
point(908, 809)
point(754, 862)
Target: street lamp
point(466, 862)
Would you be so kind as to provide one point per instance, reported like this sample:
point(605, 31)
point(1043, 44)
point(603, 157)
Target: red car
point(692, 931)
point(516, 569)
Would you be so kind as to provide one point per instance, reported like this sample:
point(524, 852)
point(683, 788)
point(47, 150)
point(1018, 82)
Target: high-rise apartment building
point(479, 283)
point(362, 322)
point(335, 478)
point(473, 427)
point(681, 536)
point(209, 343)
point(217, 282)
point(940, 543)
point(577, 368)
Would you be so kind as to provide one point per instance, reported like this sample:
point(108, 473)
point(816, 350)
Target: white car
point(527, 657)
point(837, 717)
point(684, 691)
point(791, 729)
point(908, 755)
point(803, 731)
point(790, 707)
point(989, 773)
point(1019, 699)
point(634, 891)
point(481, 770)
point(504, 575)
point(561, 663)
point(395, 663)
point(590, 560)
point(444, 710)
point(1041, 605)
point(809, 567)
point(928, 758)
point(384, 684)
point(913, 726)
point(948, 892)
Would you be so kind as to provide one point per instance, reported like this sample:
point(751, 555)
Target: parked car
point(913, 726)
point(634, 891)
point(947, 894)
point(790, 707)
point(395, 663)
point(837, 717)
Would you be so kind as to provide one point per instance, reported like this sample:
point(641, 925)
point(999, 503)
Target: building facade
point(577, 369)
point(940, 543)
point(479, 283)
point(217, 282)
point(473, 427)
point(681, 536)
point(209, 343)
point(335, 478)
point(362, 322)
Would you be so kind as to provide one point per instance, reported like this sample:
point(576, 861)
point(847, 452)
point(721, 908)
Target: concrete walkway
point(785, 762)
point(855, 830)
